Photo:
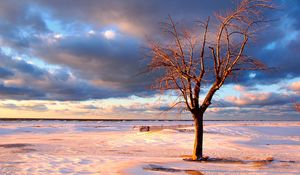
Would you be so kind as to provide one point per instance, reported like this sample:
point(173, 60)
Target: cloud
point(11, 92)
point(277, 112)
point(240, 88)
point(20, 24)
point(260, 99)
point(29, 82)
point(114, 64)
point(5, 73)
point(91, 66)
point(90, 107)
point(283, 31)
point(295, 86)
point(133, 16)
point(36, 107)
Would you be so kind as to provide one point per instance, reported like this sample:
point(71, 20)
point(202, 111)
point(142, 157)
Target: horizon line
point(91, 119)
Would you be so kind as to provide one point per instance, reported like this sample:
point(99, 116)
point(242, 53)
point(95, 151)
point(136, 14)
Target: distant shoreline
point(67, 119)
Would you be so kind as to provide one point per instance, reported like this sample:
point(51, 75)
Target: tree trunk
point(198, 143)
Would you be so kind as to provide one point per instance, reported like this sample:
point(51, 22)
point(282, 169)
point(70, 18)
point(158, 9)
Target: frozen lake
point(117, 147)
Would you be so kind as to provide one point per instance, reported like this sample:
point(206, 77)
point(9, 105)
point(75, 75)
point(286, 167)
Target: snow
point(108, 147)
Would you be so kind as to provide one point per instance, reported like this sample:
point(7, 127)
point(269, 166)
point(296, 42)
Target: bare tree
point(190, 61)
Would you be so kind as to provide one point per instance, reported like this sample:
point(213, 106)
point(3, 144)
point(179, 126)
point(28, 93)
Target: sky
point(83, 59)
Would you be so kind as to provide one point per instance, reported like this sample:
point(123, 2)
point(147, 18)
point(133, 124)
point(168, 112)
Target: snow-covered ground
point(104, 147)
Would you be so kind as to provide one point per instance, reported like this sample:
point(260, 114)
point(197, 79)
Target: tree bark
point(198, 143)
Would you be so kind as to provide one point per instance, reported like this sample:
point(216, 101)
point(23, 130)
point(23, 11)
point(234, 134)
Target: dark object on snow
point(153, 167)
point(15, 145)
point(144, 128)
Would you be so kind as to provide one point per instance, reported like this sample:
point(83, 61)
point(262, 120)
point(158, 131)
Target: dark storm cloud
point(145, 17)
point(116, 62)
point(21, 67)
point(30, 82)
point(5, 73)
point(108, 68)
point(141, 16)
point(95, 56)
point(19, 24)
point(277, 46)
point(20, 93)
